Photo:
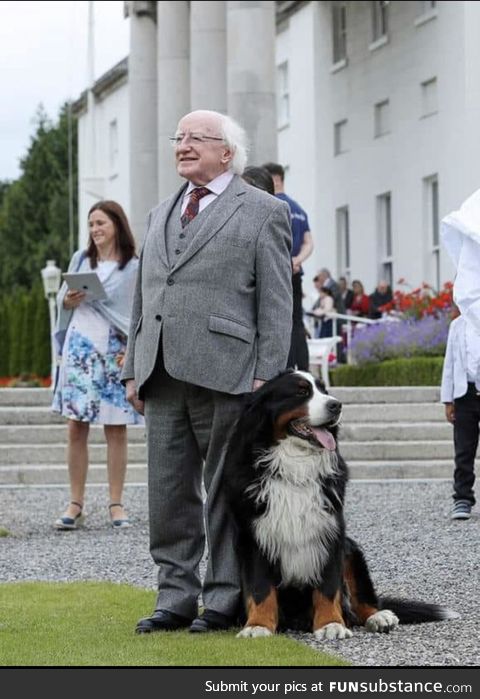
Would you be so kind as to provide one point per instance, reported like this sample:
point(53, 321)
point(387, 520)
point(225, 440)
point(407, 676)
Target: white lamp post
point(51, 276)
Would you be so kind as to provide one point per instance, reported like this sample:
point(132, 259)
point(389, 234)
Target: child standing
point(461, 397)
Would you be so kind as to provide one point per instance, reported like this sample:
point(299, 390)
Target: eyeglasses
point(194, 138)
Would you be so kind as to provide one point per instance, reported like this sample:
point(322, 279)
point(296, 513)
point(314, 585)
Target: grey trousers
point(187, 427)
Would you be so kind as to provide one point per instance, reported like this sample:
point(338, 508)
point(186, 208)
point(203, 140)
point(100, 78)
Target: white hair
point(234, 136)
point(236, 139)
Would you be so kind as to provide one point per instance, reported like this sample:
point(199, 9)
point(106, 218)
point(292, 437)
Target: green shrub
point(25, 333)
point(41, 362)
point(416, 371)
point(4, 341)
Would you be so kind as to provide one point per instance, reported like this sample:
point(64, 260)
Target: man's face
point(201, 155)
point(277, 183)
point(321, 278)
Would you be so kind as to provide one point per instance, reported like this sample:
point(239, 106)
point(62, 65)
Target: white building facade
point(372, 107)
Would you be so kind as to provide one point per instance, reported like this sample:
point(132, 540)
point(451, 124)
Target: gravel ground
point(413, 549)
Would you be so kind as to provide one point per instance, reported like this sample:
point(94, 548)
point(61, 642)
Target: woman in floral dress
point(91, 338)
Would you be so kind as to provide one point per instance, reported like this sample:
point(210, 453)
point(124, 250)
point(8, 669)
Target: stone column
point(208, 55)
point(251, 75)
point(142, 83)
point(173, 85)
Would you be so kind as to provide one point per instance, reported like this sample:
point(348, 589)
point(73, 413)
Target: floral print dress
point(88, 387)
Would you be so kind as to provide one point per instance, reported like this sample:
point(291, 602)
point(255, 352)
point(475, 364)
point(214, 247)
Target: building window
point(426, 6)
point(382, 118)
point(339, 31)
point(113, 146)
point(343, 242)
point(340, 137)
point(432, 221)
point(426, 11)
point(429, 97)
point(283, 96)
point(379, 19)
point(384, 236)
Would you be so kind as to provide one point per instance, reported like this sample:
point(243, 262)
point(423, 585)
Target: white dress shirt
point(462, 360)
point(216, 186)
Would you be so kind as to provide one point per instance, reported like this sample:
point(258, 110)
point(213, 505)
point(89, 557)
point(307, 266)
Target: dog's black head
point(293, 404)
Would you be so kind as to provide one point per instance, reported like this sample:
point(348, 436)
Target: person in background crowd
point(381, 296)
point(345, 293)
point(91, 338)
point(259, 177)
point(324, 278)
point(361, 302)
point(460, 392)
point(211, 321)
point(302, 247)
point(322, 306)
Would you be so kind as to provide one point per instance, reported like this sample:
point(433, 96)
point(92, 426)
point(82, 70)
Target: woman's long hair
point(124, 236)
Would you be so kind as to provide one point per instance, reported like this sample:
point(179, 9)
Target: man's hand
point(257, 383)
point(73, 299)
point(450, 412)
point(296, 265)
point(133, 398)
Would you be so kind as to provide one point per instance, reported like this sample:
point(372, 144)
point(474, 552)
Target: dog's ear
point(254, 417)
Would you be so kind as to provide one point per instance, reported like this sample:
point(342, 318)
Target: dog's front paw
point(254, 632)
point(382, 622)
point(332, 631)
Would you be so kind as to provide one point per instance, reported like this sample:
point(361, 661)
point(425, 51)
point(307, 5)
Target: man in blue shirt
point(302, 247)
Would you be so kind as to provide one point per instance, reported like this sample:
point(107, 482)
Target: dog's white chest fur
point(297, 525)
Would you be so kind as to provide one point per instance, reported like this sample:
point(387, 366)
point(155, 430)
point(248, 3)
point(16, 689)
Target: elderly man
point(381, 296)
point(211, 321)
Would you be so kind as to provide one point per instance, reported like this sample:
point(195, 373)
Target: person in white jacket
point(460, 392)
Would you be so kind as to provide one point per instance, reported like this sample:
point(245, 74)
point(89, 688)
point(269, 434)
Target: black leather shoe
point(211, 621)
point(161, 620)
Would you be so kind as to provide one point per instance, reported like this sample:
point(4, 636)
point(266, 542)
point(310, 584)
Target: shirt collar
point(216, 186)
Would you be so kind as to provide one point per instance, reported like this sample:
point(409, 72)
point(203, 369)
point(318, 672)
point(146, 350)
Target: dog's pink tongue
point(325, 438)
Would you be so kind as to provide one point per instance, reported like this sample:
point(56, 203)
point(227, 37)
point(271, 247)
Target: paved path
point(413, 549)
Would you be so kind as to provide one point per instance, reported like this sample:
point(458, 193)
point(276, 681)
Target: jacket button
point(177, 251)
point(158, 317)
point(170, 281)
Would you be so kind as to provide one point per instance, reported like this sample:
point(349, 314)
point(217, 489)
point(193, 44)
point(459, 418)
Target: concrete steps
point(386, 432)
point(55, 434)
point(34, 474)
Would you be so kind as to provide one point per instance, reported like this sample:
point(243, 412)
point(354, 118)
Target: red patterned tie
point(193, 204)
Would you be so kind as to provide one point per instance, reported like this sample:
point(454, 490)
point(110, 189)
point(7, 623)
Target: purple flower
point(400, 338)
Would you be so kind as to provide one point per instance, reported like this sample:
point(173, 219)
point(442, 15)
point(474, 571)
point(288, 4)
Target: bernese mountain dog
point(285, 480)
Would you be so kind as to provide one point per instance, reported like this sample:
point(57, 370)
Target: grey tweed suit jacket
point(223, 312)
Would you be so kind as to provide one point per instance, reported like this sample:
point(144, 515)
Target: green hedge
point(25, 333)
point(416, 371)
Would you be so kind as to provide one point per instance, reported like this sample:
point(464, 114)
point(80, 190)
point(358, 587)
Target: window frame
point(339, 32)
point(283, 95)
point(342, 227)
point(385, 236)
point(337, 140)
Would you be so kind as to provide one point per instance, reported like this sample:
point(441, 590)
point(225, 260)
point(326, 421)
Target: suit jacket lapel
point(161, 223)
point(231, 201)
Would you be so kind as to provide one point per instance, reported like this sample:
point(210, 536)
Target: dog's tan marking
point(265, 613)
point(326, 611)
point(360, 609)
point(280, 427)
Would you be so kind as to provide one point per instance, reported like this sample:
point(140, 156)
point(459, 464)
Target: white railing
point(350, 320)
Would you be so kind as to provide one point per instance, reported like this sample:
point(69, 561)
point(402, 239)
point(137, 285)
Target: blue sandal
point(118, 523)
point(68, 523)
